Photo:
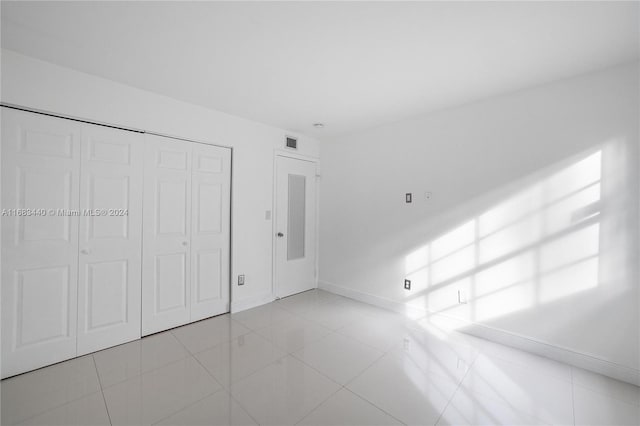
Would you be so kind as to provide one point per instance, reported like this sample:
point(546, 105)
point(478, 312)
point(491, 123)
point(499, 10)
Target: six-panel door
point(167, 224)
point(210, 231)
point(186, 233)
point(40, 188)
point(109, 283)
point(75, 201)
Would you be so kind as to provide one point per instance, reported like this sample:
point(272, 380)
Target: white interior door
point(166, 256)
point(295, 262)
point(109, 283)
point(211, 180)
point(40, 170)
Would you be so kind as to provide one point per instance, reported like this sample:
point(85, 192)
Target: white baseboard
point(568, 356)
point(381, 302)
point(251, 302)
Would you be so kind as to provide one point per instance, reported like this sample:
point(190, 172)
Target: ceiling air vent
point(292, 142)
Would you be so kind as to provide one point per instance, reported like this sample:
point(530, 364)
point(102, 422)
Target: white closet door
point(40, 170)
point(167, 222)
point(109, 282)
point(210, 231)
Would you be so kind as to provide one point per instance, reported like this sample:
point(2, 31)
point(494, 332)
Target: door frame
point(89, 121)
point(301, 157)
point(12, 106)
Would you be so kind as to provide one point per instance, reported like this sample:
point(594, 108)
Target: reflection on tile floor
point(315, 359)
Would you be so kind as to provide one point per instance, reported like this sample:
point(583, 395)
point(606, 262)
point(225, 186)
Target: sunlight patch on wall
point(539, 245)
point(454, 264)
point(417, 260)
point(510, 238)
point(570, 280)
point(512, 271)
point(453, 240)
point(510, 299)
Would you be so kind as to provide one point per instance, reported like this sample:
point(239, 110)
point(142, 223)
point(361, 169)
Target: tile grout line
point(298, 316)
point(222, 386)
point(188, 406)
point(482, 352)
point(458, 388)
point(291, 354)
point(104, 400)
point(385, 353)
point(253, 372)
point(321, 402)
point(32, 416)
point(233, 398)
point(316, 304)
point(336, 332)
point(344, 386)
point(365, 370)
point(310, 323)
point(375, 406)
point(286, 354)
point(365, 399)
point(141, 373)
point(331, 331)
point(341, 385)
point(229, 391)
point(323, 374)
point(222, 342)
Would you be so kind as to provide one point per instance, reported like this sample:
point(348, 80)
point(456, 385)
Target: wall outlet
point(427, 195)
point(240, 279)
point(407, 284)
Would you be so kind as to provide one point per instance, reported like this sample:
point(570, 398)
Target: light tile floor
point(315, 359)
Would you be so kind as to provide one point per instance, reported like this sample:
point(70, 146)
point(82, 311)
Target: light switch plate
point(240, 279)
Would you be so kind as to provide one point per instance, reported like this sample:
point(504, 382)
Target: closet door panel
point(211, 177)
point(166, 234)
point(110, 238)
point(40, 173)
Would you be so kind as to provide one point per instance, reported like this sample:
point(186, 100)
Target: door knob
point(185, 243)
point(85, 251)
point(280, 234)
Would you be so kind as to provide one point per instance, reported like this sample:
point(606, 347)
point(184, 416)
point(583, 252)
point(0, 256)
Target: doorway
point(294, 225)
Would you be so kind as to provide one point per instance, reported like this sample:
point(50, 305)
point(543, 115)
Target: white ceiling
point(348, 65)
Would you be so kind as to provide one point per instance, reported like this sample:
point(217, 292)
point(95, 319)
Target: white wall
point(560, 273)
point(40, 85)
